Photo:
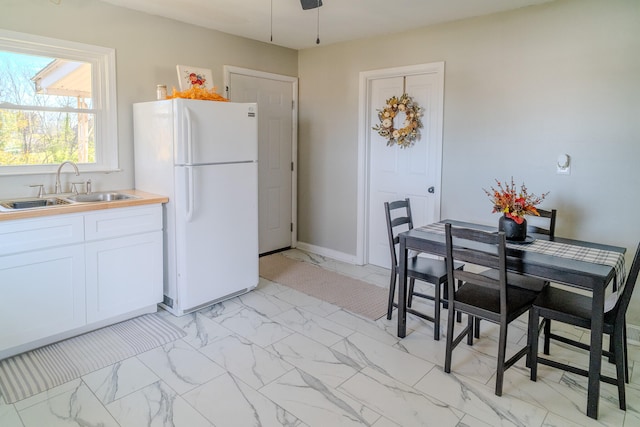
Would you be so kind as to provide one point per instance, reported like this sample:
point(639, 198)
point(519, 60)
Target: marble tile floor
point(277, 357)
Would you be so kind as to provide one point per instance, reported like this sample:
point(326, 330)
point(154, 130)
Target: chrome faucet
point(58, 187)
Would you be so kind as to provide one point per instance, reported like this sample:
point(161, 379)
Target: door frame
point(364, 127)
point(231, 69)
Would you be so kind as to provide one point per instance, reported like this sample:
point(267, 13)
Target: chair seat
point(519, 280)
point(559, 304)
point(487, 299)
point(428, 269)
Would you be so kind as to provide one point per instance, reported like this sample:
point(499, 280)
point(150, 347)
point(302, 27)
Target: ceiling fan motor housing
point(310, 4)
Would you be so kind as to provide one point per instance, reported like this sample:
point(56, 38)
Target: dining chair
point(575, 309)
point(547, 227)
point(480, 296)
point(432, 271)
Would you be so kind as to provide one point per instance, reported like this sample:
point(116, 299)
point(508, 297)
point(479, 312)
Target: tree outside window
point(57, 103)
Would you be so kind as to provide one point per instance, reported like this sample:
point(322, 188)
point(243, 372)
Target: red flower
point(514, 205)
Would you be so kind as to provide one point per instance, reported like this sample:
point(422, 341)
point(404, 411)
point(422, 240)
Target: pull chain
point(318, 25)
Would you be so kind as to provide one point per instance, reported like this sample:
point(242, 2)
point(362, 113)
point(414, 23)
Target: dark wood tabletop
point(580, 274)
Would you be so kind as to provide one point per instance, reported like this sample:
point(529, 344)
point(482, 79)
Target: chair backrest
point(481, 248)
point(399, 219)
point(550, 230)
point(620, 309)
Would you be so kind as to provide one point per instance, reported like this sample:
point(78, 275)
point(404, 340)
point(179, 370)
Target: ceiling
point(339, 20)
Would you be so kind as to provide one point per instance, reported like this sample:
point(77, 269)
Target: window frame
point(104, 101)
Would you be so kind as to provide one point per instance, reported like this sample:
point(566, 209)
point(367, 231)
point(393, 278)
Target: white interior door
point(276, 193)
point(396, 173)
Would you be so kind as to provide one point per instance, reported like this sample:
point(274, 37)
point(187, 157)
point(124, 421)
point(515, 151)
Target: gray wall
point(148, 48)
point(520, 88)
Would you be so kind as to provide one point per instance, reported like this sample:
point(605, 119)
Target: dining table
point(581, 264)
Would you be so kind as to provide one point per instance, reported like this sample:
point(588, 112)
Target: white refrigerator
point(203, 155)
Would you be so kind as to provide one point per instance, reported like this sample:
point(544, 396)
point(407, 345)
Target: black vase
point(513, 230)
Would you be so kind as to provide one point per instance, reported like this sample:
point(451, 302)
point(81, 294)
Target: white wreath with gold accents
point(406, 135)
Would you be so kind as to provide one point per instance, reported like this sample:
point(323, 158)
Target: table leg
point(595, 355)
point(402, 290)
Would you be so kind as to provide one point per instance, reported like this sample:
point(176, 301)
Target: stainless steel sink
point(106, 196)
point(48, 202)
point(31, 203)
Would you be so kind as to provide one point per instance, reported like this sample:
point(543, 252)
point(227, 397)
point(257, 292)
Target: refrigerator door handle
point(189, 192)
point(187, 116)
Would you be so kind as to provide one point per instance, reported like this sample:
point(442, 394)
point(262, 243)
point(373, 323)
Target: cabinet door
point(123, 274)
point(42, 294)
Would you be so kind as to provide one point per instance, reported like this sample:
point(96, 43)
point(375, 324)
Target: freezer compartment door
point(209, 132)
point(216, 231)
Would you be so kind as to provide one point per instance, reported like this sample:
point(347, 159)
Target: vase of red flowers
point(514, 205)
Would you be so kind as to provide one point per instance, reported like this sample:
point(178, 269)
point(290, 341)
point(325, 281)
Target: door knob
point(431, 189)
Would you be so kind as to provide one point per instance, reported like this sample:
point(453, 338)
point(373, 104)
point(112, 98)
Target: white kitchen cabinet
point(64, 275)
point(123, 261)
point(43, 294)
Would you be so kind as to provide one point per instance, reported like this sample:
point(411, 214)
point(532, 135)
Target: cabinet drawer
point(29, 234)
point(123, 221)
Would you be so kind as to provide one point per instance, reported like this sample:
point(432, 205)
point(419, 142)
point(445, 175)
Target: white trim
point(229, 69)
point(329, 253)
point(363, 151)
point(103, 63)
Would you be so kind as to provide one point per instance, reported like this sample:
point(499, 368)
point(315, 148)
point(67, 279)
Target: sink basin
point(48, 202)
point(33, 203)
point(107, 196)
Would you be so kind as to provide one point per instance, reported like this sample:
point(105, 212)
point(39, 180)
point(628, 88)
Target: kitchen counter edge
point(144, 198)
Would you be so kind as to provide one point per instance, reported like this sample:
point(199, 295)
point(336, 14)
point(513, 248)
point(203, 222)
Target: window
point(57, 103)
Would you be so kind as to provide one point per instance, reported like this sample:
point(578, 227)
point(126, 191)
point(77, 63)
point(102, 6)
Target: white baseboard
point(329, 253)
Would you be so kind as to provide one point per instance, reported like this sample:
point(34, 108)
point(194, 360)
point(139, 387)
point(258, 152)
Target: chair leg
point(436, 313)
point(476, 328)
point(459, 315)
point(502, 350)
point(445, 295)
point(528, 356)
point(392, 291)
point(626, 352)
point(619, 354)
point(412, 283)
point(534, 332)
point(470, 322)
point(449, 345)
point(547, 335)
point(612, 358)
